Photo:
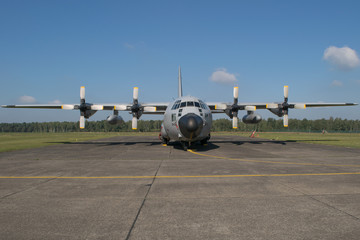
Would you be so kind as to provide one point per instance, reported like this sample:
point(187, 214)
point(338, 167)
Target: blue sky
point(48, 49)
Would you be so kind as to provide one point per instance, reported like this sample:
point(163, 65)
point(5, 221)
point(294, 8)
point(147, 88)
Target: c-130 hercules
point(186, 119)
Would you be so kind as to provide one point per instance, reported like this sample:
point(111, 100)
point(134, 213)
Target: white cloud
point(222, 76)
point(27, 99)
point(336, 83)
point(129, 46)
point(343, 58)
point(55, 102)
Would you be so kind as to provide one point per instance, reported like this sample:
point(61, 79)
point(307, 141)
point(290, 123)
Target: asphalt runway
point(136, 188)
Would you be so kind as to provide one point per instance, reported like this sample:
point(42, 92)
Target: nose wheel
point(185, 145)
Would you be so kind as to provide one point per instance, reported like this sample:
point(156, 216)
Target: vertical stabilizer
point(180, 84)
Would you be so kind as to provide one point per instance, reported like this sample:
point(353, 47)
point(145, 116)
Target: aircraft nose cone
point(190, 125)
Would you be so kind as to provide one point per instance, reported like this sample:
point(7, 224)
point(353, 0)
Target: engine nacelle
point(276, 111)
point(114, 119)
point(251, 118)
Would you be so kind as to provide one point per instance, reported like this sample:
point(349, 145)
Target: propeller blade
point(82, 122)
point(150, 109)
point(134, 123)
point(68, 107)
point(120, 107)
point(236, 92)
point(82, 92)
point(235, 122)
point(97, 107)
point(300, 106)
point(220, 106)
point(250, 108)
point(272, 105)
point(136, 93)
point(286, 120)
point(286, 91)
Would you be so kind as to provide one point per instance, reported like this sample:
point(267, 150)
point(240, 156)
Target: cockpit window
point(189, 104)
point(176, 105)
point(203, 105)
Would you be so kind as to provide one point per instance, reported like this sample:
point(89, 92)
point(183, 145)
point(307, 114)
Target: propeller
point(86, 109)
point(83, 107)
point(285, 106)
point(135, 108)
point(232, 111)
point(282, 109)
point(234, 108)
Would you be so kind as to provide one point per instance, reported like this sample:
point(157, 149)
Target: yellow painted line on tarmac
point(273, 162)
point(195, 176)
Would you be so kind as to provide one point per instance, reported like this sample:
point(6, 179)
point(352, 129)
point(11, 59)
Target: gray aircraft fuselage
point(187, 119)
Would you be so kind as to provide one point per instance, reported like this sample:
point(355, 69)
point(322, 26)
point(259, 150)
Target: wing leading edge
point(279, 109)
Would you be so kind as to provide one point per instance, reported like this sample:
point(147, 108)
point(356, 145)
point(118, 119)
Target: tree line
point(266, 125)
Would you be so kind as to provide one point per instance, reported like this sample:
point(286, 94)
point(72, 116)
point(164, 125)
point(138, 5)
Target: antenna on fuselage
point(180, 84)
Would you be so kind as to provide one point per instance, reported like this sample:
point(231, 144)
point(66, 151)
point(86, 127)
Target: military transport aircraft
point(186, 119)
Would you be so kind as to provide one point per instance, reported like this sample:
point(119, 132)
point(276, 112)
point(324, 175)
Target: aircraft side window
point(197, 104)
point(183, 104)
point(173, 117)
point(200, 110)
point(180, 110)
point(190, 104)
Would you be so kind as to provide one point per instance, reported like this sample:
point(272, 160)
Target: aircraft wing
point(325, 104)
point(279, 109)
point(155, 108)
point(221, 107)
point(148, 108)
point(41, 106)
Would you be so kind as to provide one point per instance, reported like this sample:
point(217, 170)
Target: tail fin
point(180, 84)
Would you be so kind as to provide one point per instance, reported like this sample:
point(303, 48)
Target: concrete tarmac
point(136, 188)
